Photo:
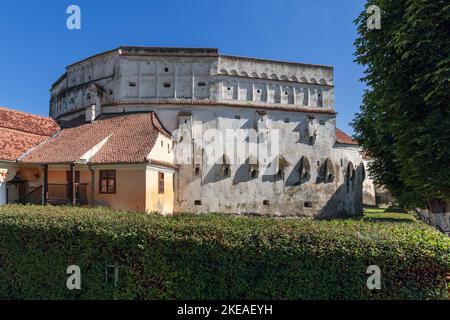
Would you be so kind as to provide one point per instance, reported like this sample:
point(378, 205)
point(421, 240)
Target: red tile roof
point(131, 137)
point(20, 131)
point(343, 138)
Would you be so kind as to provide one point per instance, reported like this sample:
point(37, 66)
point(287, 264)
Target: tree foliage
point(404, 120)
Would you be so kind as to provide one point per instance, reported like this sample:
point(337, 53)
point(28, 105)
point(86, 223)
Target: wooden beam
point(45, 185)
point(92, 186)
point(73, 189)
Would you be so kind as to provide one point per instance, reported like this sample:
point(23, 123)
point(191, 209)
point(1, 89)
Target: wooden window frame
point(101, 178)
point(161, 183)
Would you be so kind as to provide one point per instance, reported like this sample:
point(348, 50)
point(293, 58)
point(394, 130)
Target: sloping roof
point(129, 139)
point(20, 131)
point(343, 138)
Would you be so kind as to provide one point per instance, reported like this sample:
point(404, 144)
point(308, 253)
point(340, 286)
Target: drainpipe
point(92, 185)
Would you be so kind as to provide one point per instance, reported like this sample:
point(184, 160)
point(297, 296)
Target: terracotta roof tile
point(343, 138)
point(131, 138)
point(27, 122)
point(20, 131)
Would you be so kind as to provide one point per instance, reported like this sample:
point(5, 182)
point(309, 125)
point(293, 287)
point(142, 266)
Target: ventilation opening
point(228, 89)
point(166, 84)
point(201, 84)
point(166, 69)
point(197, 171)
point(132, 84)
point(254, 174)
point(226, 172)
point(237, 117)
point(307, 204)
point(197, 203)
point(258, 91)
point(286, 93)
point(287, 120)
point(266, 202)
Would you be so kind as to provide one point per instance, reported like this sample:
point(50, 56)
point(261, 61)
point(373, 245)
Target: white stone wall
point(193, 93)
point(146, 76)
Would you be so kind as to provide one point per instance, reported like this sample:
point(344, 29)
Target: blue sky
point(36, 45)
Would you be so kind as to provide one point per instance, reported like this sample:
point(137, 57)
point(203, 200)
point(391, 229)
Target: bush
point(214, 256)
point(396, 209)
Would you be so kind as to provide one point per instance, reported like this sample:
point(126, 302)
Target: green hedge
point(215, 256)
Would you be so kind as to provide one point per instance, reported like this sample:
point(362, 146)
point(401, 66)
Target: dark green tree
point(404, 120)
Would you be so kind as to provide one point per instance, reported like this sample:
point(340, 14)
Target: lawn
point(380, 215)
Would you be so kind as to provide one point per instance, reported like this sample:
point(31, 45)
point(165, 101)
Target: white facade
point(196, 92)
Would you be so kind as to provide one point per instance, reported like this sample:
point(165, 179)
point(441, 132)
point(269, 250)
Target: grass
point(380, 215)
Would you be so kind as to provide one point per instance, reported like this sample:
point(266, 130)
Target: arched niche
point(350, 175)
point(304, 169)
point(326, 172)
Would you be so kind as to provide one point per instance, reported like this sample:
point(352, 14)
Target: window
point(108, 181)
point(197, 203)
point(253, 173)
point(307, 204)
point(132, 84)
point(166, 69)
point(266, 202)
point(166, 84)
point(201, 84)
point(160, 183)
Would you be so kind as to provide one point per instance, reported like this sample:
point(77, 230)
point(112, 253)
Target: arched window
point(350, 176)
point(253, 167)
point(280, 165)
point(326, 172)
point(304, 170)
point(226, 166)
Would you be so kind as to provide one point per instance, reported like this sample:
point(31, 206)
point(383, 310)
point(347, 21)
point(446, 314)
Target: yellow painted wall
point(136, 186)
point(130, 191)
point(162, 203)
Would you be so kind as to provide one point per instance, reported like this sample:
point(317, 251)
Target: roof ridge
point(26, 113)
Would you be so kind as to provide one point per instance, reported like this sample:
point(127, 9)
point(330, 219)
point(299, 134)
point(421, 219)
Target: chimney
point(92, 112)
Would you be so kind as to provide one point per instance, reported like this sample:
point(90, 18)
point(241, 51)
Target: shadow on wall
point(346, 201)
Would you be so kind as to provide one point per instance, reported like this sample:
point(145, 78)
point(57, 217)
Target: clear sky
point(36, 44)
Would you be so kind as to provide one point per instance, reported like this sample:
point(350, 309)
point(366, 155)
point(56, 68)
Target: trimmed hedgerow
point(215, 256)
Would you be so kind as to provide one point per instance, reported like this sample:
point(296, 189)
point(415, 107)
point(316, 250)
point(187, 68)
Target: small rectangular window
point(132, 84)
point(166, 84)
point(160, 183)
point(201, 84)
point(108, 181)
